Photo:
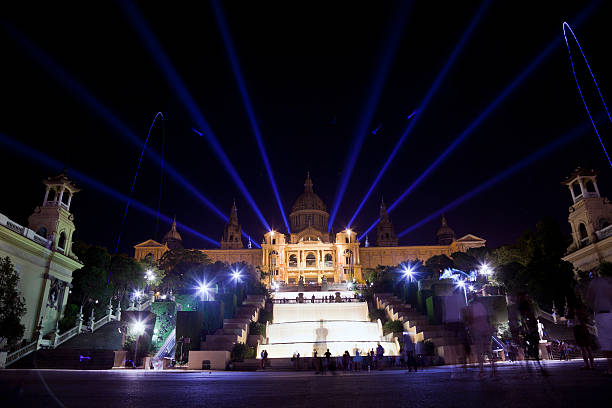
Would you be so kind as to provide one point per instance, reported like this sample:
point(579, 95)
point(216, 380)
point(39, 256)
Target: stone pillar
point(61, 195)
point(80, 320)
point(69, 201)
point(109, 308)
point(46, 195)
point(582, 188)
point(92, 320)
point(56, 334)
point(118, 311)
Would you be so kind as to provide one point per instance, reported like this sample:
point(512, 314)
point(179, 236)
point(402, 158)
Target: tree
point(126, 274)
point(533, 265)
point(90, 283)
point(438, 263)
point(180, 265)
point(12, 304)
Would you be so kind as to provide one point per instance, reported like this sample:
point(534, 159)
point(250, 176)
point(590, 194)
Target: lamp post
point(138, 327)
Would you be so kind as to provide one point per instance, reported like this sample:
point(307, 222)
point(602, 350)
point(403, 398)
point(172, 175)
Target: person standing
point(599, 297)
point(583, 339)
point(410, 358)
point(357, 361)
point(481, 332)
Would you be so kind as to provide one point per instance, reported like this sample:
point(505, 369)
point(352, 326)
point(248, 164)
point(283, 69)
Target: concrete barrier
point(218, 359)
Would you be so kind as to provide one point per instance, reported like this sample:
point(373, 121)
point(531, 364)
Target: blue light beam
point(424, 103)
point(177, 85)
point(56, 165)
point(127, 205)
point(527, 161)
point(365, 117)
point(492, 106)
point(57, 72)
point(231, 52)
point(580, 90)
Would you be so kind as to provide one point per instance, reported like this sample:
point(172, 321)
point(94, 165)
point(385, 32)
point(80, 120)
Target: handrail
point(22, 352)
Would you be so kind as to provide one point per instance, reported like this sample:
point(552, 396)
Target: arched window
point(273, 241)
point(590, 187)
point(292, 261)
point(61, 243)
point(576, 189)
point(52, 195)
point(329, 261)
point(311, 260)
point(42, 231)
point(583, 232)
point(348, 256)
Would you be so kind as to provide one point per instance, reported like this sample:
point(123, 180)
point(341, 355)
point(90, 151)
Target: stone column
point(92, 320)
point(46, 195)
point(61, 195)
point(80, 320)
point(118, 311)
point(69, 200)
point(109, 308)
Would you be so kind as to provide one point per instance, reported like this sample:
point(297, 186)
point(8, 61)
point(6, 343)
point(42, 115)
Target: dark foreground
point(513, 386)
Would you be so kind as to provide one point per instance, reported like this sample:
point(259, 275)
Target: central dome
point(309, 211)
point(308, 200)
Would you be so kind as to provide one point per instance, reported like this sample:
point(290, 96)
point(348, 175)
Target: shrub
point(257, 328)
point(241, 351)
point(264, 316)
point(393, 326)
point(378, 314)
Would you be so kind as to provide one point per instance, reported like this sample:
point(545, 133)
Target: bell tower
point(53, 219)
point(385, 233)
point(232, 234)
point(590, 215)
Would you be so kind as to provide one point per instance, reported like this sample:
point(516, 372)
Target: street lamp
point(462, 285)
point(138, 327)
point(203, 290)
point(236, 276)
point(149, 275)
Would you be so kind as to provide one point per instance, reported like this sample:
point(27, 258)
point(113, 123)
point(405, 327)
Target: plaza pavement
point(447, 386)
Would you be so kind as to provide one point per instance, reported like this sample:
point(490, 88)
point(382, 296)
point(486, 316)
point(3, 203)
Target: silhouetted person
point(583, 338)
point(599, 296)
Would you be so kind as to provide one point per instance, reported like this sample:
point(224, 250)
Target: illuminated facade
point(311, 253)
point(42, 256)
point(590, 217)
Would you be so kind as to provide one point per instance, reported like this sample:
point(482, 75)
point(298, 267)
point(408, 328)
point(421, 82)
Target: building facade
point(590, 218)
point(42, 256)
point(312, 254)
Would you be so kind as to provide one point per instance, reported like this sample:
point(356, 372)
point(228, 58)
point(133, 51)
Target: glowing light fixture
point(236, 276)
point(138, 327)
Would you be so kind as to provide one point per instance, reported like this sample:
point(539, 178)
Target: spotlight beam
point(580, 90)
point(57, 72)
point(484, 114)
point(56, 165)
point(417, 113)
point(527, 161)
point(233, 57)
point(367, 112)
point(178, 86)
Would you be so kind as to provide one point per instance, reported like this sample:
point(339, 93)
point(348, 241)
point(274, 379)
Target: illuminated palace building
point(310, 252)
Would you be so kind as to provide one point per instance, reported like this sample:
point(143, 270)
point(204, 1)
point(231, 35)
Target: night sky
point(304, 64)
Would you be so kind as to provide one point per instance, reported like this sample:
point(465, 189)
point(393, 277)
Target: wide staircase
point(448, 346)
point(236, 329)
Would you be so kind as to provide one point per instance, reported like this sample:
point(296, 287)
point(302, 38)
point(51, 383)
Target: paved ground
point(513, 386)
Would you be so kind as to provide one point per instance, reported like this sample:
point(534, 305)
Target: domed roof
point(308, 200)
point(173, 234)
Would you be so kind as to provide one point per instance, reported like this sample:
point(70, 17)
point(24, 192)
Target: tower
point(385, 233)
point(53, 219)
point(445, 234)
point(232, 233)
point(590, 215)
point(309, 217)
point(173, 239)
